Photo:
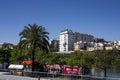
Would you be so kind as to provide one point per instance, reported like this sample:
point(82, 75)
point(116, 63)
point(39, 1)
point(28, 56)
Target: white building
point(68, 38)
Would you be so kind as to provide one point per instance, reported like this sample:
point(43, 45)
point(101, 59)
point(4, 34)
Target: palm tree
point(33, 37)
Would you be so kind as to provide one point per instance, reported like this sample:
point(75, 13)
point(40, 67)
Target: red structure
point(27, 62)
point(70, 70)
point(53, 69)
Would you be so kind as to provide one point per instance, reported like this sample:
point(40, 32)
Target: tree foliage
point(5, 55)
point(74, 59)
point(88, 59)
point(104, 59)
point(16, 55)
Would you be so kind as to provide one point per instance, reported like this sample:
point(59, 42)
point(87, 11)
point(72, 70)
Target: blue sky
point(100, 18)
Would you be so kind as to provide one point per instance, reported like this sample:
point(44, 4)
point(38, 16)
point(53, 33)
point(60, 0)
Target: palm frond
point(34, 34)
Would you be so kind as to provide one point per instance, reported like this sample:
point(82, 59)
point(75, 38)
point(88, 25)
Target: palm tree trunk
point(33, 54)
point(33, 57)
point(105, 73)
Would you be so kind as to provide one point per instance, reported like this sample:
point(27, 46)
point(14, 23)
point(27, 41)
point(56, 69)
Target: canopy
point(15, 66)
point(27, 62)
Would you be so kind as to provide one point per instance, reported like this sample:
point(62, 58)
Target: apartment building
point(68, 38)
point(6, 45)
point(54, 45)
point(83, 37)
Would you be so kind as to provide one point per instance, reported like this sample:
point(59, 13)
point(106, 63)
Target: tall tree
point(33, 37)
point(5, 55)
point(104, 60)
point(75, 59)
point(15, 56)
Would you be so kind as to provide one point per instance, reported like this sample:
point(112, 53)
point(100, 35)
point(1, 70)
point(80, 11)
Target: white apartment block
point(68, 38)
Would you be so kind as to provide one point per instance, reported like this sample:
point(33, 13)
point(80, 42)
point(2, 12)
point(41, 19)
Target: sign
point(71, 70)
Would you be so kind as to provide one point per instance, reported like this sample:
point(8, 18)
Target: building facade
point(54, 45)
point(83, 37)
point(68, 38)
point(6, 45)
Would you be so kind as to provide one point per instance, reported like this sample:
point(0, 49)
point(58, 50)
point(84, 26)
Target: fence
point(56, 76)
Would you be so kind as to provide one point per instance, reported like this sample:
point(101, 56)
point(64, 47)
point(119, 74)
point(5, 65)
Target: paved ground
point(3, 76)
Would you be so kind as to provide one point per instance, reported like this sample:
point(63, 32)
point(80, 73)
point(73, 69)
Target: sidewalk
point(12, 77)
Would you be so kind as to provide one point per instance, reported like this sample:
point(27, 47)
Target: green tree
point(63, 58)
point(5, 55)
point(74, 59)
point(33, 37)
point(15, 56)
point(87, 59)
point(81, 59)
point(116, 61)
point(53, 58)
point(41, 57)
point(104, 60)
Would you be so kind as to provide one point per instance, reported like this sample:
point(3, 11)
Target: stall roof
point(15, 66)
point(27, 62)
